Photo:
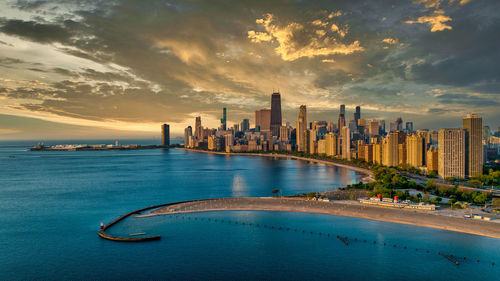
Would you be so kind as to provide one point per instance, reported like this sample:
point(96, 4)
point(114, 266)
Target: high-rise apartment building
point(432, 159)
point(301, 129)
point(415, 150)
point(473, 125)
point(451, 153)
point(345, 134)
point(313, 143)
point(402, 153)
point(263, 120)
point(188, 132)
point(390, 149)
point(228, 141)
point(276, 121)
point(373, 128)
point(331, 144)
point(377, 153)
point(165, 135)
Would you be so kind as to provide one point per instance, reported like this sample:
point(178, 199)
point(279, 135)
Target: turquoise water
point(51, 204)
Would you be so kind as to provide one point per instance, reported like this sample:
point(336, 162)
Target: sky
point(91, 69)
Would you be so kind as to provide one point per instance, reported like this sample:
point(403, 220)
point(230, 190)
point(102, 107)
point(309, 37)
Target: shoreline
point(429, 219)
point(368, 173)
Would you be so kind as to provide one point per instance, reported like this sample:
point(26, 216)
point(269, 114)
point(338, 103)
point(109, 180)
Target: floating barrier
point(450, 258)
point(343, 240)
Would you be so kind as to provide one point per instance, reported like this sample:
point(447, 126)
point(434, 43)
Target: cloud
point(429, 3)
point(390, 41)
point(437, 21)
point(39, 32)
point(295, 40)
point(145, 62)
point(258, 37)
point(335, 14)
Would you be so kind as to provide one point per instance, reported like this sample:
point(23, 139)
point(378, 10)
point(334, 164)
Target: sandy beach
point(431, 219)
point(367, 172)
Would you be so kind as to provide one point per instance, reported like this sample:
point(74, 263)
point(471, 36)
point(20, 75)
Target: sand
point(430, 219)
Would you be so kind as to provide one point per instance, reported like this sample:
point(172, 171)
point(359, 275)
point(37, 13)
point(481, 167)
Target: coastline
point(368, 173)
point(429, 219)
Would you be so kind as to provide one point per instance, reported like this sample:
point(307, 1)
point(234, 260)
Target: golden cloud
point(312, 43)
point(390, 41)
point(437, 21)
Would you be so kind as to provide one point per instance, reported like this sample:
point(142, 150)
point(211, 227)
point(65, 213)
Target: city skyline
point(87, 70)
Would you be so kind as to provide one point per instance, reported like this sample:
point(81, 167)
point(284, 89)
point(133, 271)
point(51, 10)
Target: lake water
point(51, 204)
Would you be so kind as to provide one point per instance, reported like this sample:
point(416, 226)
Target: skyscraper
point(301, 129)
point(409, 127)
point(341, 122)
point(188, 132)
point(223, 121)
point(263, 120)
point(198, 130)
point(357, 114)
point(382, 127)
point(345, 134)
point(399, 124)
point(245, 125)
point(165, 135)
point(473, 125)
point(451, 153)
point(390, 150)
point(415, 150)
point(373, 128)
point(331, 144)
point(275, 114)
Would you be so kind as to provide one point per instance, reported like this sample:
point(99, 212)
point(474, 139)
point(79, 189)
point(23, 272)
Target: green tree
point(475, 182)
point(432, 174)
point(481, 198)
point(419, 196)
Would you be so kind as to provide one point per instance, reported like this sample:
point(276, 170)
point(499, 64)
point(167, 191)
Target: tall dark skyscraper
point(357, 114)
point(223, 121)
point(341, 117)
point(165, 135)
point(275, 114)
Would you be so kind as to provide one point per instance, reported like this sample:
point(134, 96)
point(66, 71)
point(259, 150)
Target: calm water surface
point(51, 204)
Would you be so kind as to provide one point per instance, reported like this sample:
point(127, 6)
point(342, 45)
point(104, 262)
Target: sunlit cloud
point(437, 21)
point(295, 40)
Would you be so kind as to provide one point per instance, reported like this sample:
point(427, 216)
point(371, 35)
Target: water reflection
point(239, 188)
